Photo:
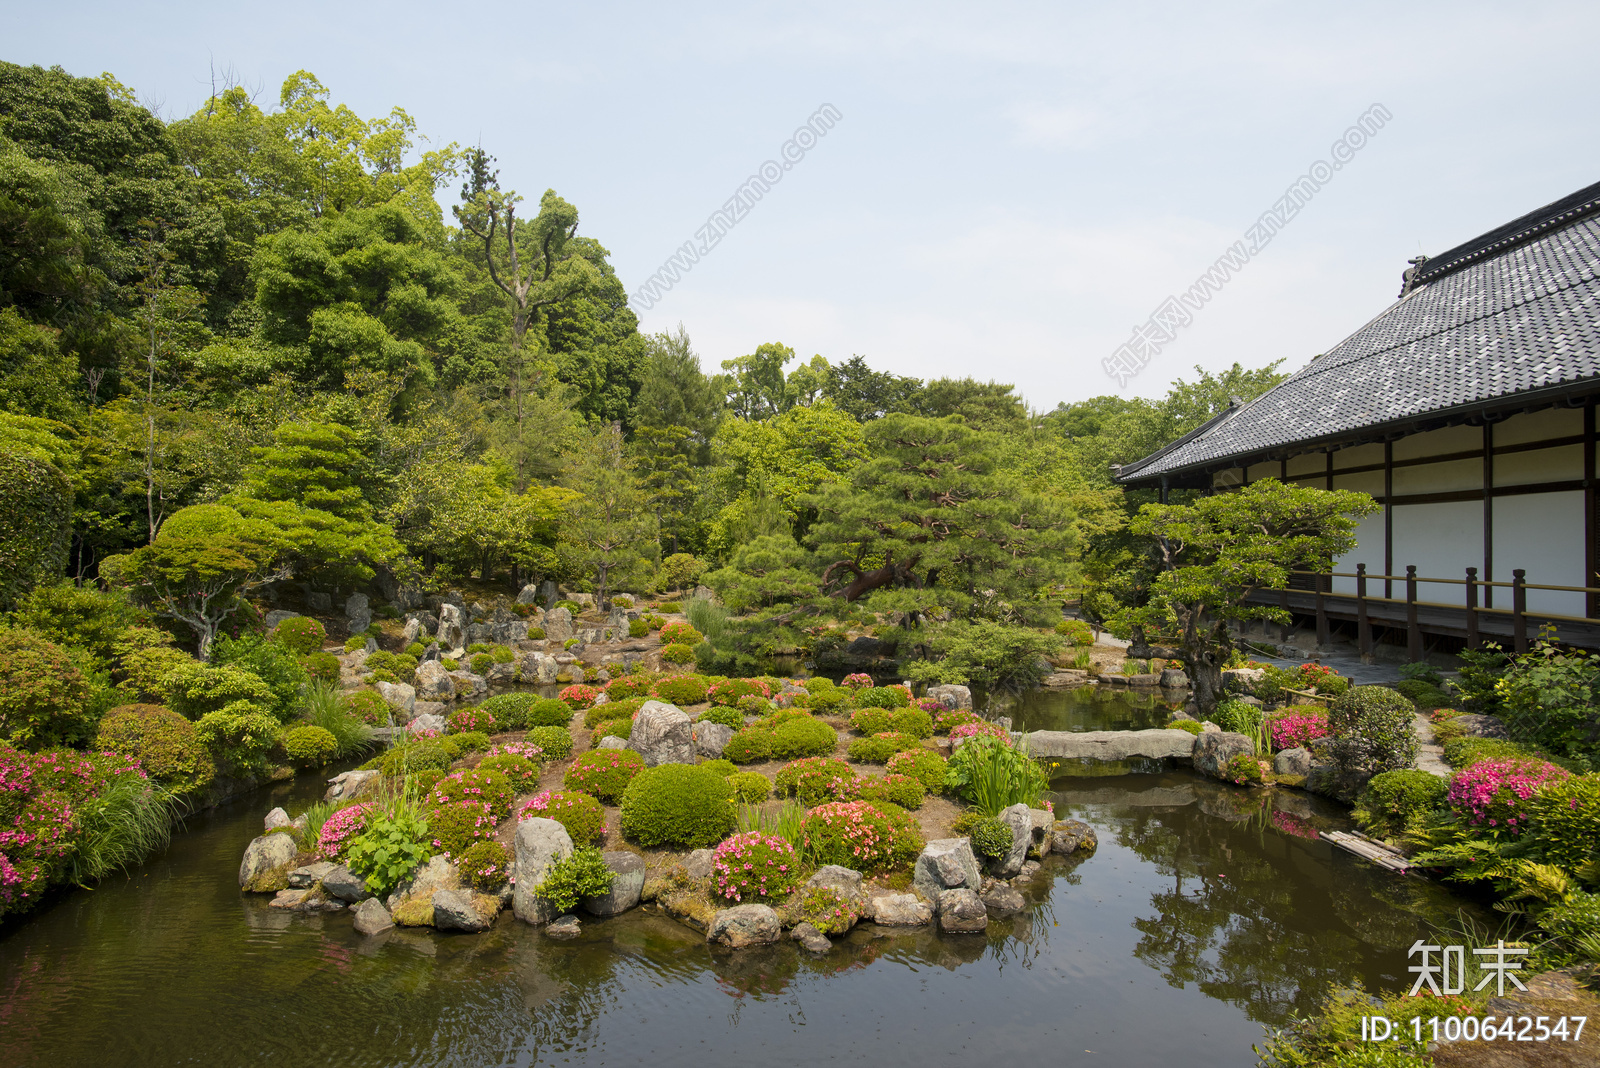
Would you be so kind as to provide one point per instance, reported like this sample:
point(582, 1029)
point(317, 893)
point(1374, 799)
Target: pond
point(1206, 912)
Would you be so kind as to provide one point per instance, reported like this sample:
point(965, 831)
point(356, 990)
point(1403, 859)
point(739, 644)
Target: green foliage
point(1243, 769)
point(728, 717)
point(878, 748)
point(578, 812)
point(300, 634)
point(324, 667)
point(786, 821)
point(479, 784)
point(193, 689)
point(555, 741)
point(393, 846)
point(1564, 822)
point(750, 745)
point(638, 628)
point(549, 712)
point(801, 737)
point(485, 866)
point(720, 766)
point(605, 773)
point(680, 805)
point(904, 790)
point(241, 741)
point(828, 910)
point(925, 765)
point(612, 711)
point(991, 775)
point(1237, 717)
point(414, 756)
point(123, 819)
point(991, 839)
point(308, 746)
point(35, 524)
point(79, 616)
point(1333, 1036)
point(573, 878)
point(167, 746)
point(1397, 801)
point(680, 690)
point(455, 826)
point(864, 835)
point(44, 698)
point(459, 745)
point(749, 787)
point(985, 653)
point(1372, 731)
point(884, 697)
point(1548, 696)
point(271, 662)
point(677, 653)
point(1194, 727)
point(514, 711)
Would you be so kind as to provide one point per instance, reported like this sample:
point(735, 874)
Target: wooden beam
point(1388, 517)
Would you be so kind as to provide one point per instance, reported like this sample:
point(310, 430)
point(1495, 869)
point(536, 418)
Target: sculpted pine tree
point(1213, 554)
point(613, 523)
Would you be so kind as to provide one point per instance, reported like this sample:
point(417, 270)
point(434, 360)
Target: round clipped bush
point(912, 721)
point(728, 691)
point(325, 667)
point(578, 812)
point(815, 780)
point(301, 634)
point(750, 745)
point(339, 828)
point(457, 826)
point(612, 710)
point(471, 718)
point(924, 765)
point(579, 697)
point(485, 866)
point(890, 697)
point(948, 720)
point(43, 696)
point(824, 702)
point(878, 748)
point(864, 835)
point(754, 867)
point(681, 633)
point(1564, 821)
point(858, 681)
point(480, 663)
point(1395, 800)
point(416, 649)
point(475, 784)
point(310, 747)
point(682, 805)
point(166, 745)
point(459, 745)
point(803, 736)
point(510, 710)
point(638, 628)
point(990, 838)
point(536, 634)
point(818, 684)
point(1243, 770)
point(549, 712)
point(720, 766)
point(752, 705)
point(749, 787)
point(728, 717)
point(519, 771)
point(680, 690)
point(677, 653)
point(555, 741)
point(903, 790)
point(616, 728)
point(418, 756)
point(605, 773)
point(1372, 731)
point(626, 686)
point(367, 706)
point(871, 721)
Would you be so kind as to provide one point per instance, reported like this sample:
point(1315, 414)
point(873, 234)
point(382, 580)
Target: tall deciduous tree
point(612, 524)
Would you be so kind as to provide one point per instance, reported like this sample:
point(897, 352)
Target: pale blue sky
point(1012, 187)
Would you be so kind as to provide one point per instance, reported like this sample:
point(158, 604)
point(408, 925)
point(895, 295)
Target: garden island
point(403, 650)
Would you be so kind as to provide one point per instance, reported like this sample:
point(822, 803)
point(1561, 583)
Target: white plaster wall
point(1368, 550)
point(1442, 540)
point(1543, 534)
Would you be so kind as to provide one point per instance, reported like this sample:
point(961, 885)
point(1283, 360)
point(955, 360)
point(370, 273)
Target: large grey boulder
point(1479, 726)
point(452, 632)
point(358, 612)
point(563, 928)
point(1020, 820)
point(438, 874)
point(1296, 761)
point(951, 696)
point(469, 685)
point(1243, 680)
point(266, 861)
point(945, 864)
point(529, 594)
point(846, 882)
point(962, 911)
point(309, 876)
point(1002, 899)
point(1069, 836)
point(711, 738)
point(1173, 679)
point(813, 940)
point(558, 625)
point(538, 667)
point(611, 741)
point(431, 721)
point(1044, 822)
point(627, 880)
point(372, 918)
point(898, 910)
point(411, 631)
point(745, 925)
point(539, 844)
point(455, 910)
point(1110, 745)
point(508, 631)
point(276, 616)
point(433, 682)
point(400, 696)
point(352, 784)
point(662, 734)
point(345, 885)
point(1213, 750)
point(275, 819)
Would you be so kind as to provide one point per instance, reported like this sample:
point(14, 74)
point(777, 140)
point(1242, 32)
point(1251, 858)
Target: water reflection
point(1085, 708)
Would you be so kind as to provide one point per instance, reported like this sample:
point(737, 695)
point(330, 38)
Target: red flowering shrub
point(678, 632)
point(37, 828)
point(858, 681)
point(475, 784)
point(579, 813)
point(728, 691)
point(815, 780)
point(472, 718)
point(1491, 793)
point(946, 720)
point(455, 828)
point(752, 866)
point(339, 828)
point(578, 697)
point(628, 686)
point(605, 773)
point(979, 728)
point(860, 835)
point(1294, 730)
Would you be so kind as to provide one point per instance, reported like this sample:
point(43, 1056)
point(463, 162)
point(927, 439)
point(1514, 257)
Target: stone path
point(1430, 756)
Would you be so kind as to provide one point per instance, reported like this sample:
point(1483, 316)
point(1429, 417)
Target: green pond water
point(1206, 912)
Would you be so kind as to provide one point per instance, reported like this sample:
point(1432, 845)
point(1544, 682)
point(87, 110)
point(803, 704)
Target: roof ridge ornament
point(1408, 277)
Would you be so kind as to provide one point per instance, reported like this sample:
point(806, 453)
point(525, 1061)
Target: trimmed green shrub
point(670, 606)
point(749, 787)
point(578, 812)
point(417, 649)
point(865, 835)
point(680, 690)
point(1372, 731)
point(818, 685)
point(475, 784)
point(1424, 694)
point(870, 721)
point(948, 720)
point(1242, 770)
point(638, 628)
point(612, 710)
point(1465, 751)
point(889, 697)
point(828, 910)
point(815, 780)
point(803, 736)
point(309, 747)
point(44, 698)
point(753, 866)
point(519, 771)
point(605, 773)
point(456, 826)
point(681, 805)
point(325, 666)
point(832, 700)
point(677, 653)
point(681, 633)
point(578, 696)
point(912, 721)
point(449, 663)
point(555, 741)
point(367, 706)
point(573, 878)
point(166, 745)
point(459, 745)
point(626, 686)
point(1564, 821)
point(728, 717)
point(1193, 726)
point(480, 663)
point(750, 745)
point(471, 718)
point(389, 850)
point(925, 765)
point(240, 742)
point(302, 634)
point(417, 756)
point(990, 838)
point(549, 712)
point(1396, 800)
point(536, 634)
point(903, 790)
point(509, 710)
point(485, 866)
point(721, 767)
point(753, 705)
point(616, 728)
point(878, 748)
point(354, 642)
point(572, 606)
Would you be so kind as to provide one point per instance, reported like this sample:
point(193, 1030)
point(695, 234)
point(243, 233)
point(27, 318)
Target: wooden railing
point(1518, 612)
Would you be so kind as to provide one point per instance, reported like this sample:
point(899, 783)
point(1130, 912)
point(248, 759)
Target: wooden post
point(1519, 609)
point(1363, 625)
point(1413, 631)
point(1287, 631)
point(1473, 641)
point(1322, 611)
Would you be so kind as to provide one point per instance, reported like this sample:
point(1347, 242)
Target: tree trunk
point(1205, 675)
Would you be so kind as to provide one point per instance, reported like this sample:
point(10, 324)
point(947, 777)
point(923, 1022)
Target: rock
point(1173, 679)
point(412, 902)
point(433, 682)
point(352, 784)
point(400, 696)
point(565, 927)
point(539, 844)
point(529, 594)
point(744, 925)
point(951, 696)
point(508, 632)
point(479, 632)
point(847, 883)
point(455, 910)
point(811, 938)
point(1110, 745)
point(548, 593)
point(1242, 680)
point(345, 885)
point(611, 741)
point(288, 899)
point(1148, 679)
point(698, 865)
point(452, 632)
point(1213, 750)
point(429, 722)
point(710, 738)
point(300, 822)
point(558, 625)
point(275, 819)
point(662, 734)
point(705, 593)
point(1296, 761)
point(469, 685)
point(276, 616)
point(1477, 726)
point(1069, 836)
point(358, 612)
point(1020, 820)
point(309, 876)
point(411, 631)
point(538, 667)
point(1002, 900)
point(962, 910)
point(1044, 822)
point(627, 870)
point(318, 601)
point(372, 918)
point(266, 863)
point(946, 864)
point(899, 910)
point(1029, 870)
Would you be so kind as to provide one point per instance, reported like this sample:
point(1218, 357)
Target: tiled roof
point(1517, 311)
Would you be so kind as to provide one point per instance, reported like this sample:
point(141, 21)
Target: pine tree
point(613, 523)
